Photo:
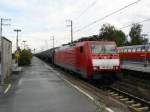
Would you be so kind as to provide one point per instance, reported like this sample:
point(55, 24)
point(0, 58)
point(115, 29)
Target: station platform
point(136, 66)
point(40, 89)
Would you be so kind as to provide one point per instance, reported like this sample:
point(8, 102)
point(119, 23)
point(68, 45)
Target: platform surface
point(136, 66)
point(40, 89)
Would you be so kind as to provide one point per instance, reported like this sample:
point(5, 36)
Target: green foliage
point(25, 57)
point(135, 34)
point(110, 33)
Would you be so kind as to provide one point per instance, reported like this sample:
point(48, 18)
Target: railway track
point(134, 103)
point(133, 89)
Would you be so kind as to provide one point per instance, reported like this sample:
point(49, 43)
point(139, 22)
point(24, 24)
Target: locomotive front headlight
point(116, 67)
point(95, 68)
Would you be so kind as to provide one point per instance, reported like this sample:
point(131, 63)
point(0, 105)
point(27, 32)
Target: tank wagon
point(47, 55)
point(91, 59)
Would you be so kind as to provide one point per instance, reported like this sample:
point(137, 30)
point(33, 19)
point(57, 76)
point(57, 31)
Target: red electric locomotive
point(89, 58)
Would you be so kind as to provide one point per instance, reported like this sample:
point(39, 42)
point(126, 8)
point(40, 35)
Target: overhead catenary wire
point(108, 15)
point(87, 8)
point(135, 23)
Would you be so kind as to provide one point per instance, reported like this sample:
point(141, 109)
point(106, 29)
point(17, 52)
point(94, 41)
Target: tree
point(135, 34)
point(25, 57)
point(110, 33)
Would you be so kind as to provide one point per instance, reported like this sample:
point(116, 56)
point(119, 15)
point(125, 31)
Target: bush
point(24, 58)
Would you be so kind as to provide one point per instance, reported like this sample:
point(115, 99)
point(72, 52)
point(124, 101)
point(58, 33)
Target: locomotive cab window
point(103, 48)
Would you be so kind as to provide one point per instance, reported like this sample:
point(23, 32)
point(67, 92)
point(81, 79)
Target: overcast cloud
point(40, 19)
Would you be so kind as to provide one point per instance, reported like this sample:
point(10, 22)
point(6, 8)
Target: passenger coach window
point(138, 49)
point(143, 49)
point(125, 50)
point(81, 49)
point(129, 50)
point(133, 50)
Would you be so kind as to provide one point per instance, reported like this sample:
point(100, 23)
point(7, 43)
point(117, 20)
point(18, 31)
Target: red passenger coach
point(89, 58)
point(135, 53)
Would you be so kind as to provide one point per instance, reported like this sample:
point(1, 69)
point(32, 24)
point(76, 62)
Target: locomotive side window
point(81, 49)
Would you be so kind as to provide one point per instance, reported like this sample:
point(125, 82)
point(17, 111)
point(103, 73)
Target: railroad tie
point(124, 99)
point(136, 105)
point(142, 109)
point(130, 102)
point(115, 94)
point(119, 97)
point(111, 93)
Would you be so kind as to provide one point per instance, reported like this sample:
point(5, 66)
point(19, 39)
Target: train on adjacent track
point(90, 59)
point(135, 53)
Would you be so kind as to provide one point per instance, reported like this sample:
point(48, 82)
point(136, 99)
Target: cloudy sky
point(41, 19)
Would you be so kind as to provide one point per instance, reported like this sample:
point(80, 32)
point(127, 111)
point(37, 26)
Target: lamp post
point(17, 30)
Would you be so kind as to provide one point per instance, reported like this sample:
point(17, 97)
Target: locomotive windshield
point(103, 48)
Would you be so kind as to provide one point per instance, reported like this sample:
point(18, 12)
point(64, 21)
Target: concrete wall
point(6, 58)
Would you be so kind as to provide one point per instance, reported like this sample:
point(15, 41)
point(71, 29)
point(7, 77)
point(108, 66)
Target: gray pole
point(34, 50)
point(53, 42)
point(1, 27)
point(17, 30)
point(71, 26)
point(71, 31)
point(2, 81)
point(17, 41)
